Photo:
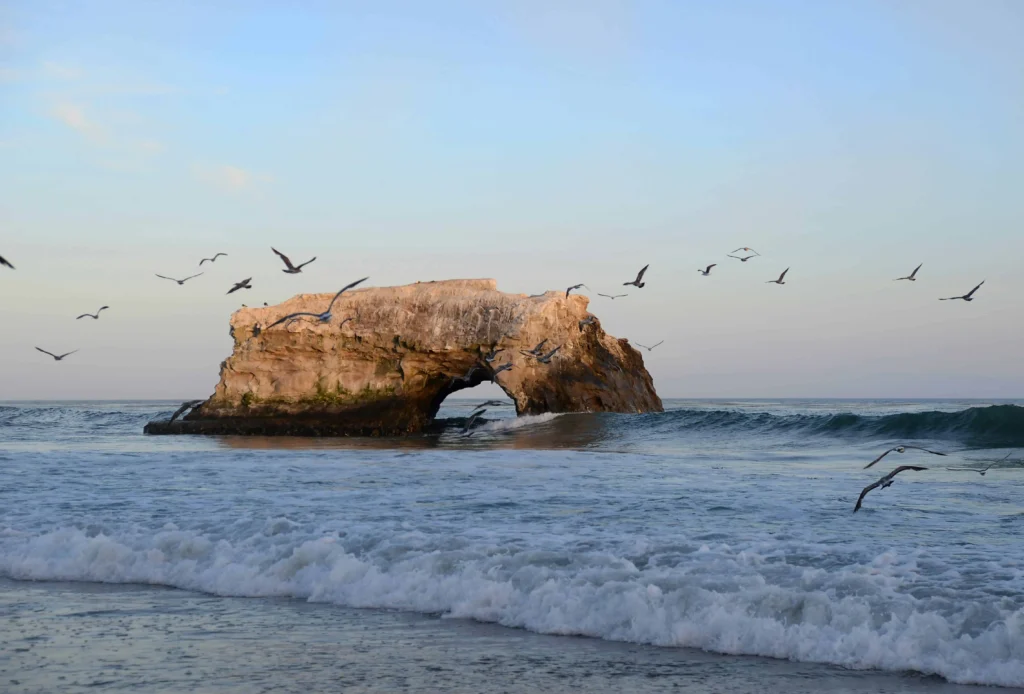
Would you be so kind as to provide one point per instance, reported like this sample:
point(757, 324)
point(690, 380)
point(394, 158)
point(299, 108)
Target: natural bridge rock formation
point(387, 370)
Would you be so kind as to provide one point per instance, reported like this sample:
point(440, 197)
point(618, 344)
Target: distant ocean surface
point(711, 547)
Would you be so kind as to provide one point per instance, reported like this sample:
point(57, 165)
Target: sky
point(541, 143)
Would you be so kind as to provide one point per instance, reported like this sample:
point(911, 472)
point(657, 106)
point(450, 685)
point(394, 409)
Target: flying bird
point(965, 297)
point(884, 482)
point(56, 357)
point(589, 320)
point(324, 317)
point(708, 270)
point(5, 262)
point(489, 403)
point(739, 258)
point(612, 296)
point(180, 282)
point(575, 286)
point(651, 348)
point(187, 405)
point(212, 260)
point(244, 284)
point(95, 316)
point(503, 367)
point(292, 269)
point(911, 276)
point(981, 472)
point(638, 282)
point(536, 351)
point(746, 250)
point(901, 449)
point(543, 359)
point(468, 426)
point(493, 354)
point(779, 281)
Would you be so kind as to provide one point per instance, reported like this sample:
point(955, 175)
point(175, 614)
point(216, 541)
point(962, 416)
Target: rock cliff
point(402, 351)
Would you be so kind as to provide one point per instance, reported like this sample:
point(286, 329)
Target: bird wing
point(343, 290)
point(915, 270)
point(733, 256)
point(283, 257)
point(640, 345)
point(741, 248)
point(640, 275)
point(879, 458)
point(67, 354)
point(903, 468)
point(711, 266)
point(306, 263)
point(102, 308)
point(4, 261)
point(217, 255)
point(204, 260)
point(918, 448)
point(552, 352)
point(783, 275)
point(84, 315)
point(653, 346)
point(864, 493)
point(167, 278)
point(290, 316)
point(607, 295)
point(968, 295)
point(191, 277)
point(45, 352)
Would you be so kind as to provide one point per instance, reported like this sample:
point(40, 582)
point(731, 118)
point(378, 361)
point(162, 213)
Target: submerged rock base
point(389, 356)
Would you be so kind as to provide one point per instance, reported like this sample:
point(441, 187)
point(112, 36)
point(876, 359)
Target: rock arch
point(386, 371)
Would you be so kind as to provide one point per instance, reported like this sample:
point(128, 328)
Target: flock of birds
point(290, 269)
point(887, 480)
point(540, 353)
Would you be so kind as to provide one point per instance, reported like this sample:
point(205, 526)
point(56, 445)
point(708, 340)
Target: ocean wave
point(720, 599)
point(499, 425)
point(993, 426)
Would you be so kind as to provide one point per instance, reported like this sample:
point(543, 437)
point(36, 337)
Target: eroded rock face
point(405, 349)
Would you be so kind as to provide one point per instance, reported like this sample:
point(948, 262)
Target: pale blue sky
point(540, 143)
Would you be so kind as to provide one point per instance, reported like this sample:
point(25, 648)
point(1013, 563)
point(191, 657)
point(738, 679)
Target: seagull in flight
point(575, 286)
point(324, 317)
point(884, 482)
point(503, 367)
point(187, 405)
point(489, 403)
point(493, 354)
point(468, 426)
point(780, 280)
point(95, 316)
point(708, 270)
point(291, 269)
point(212, 260)
point(538, 350)
point(746, 250)
point(638, 282)
point(244, 284)
point(649, 349)
point(55, 357)
point(911, 276)
point(5, 262)
point(545, 359)
point(740, 258)
point(612, 296)
point(965, 297)
point(180, 282)
point(984, 470)
point(901, 449)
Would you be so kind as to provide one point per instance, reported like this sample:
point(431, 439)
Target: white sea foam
point(510, 424)
point(718, 598)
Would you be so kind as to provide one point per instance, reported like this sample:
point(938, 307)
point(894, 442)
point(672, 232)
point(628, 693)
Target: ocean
point(709, 548)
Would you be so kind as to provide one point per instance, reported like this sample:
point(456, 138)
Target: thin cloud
point(60, 72)
point(8, 74)
point(229, 178)
point(73, 116)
